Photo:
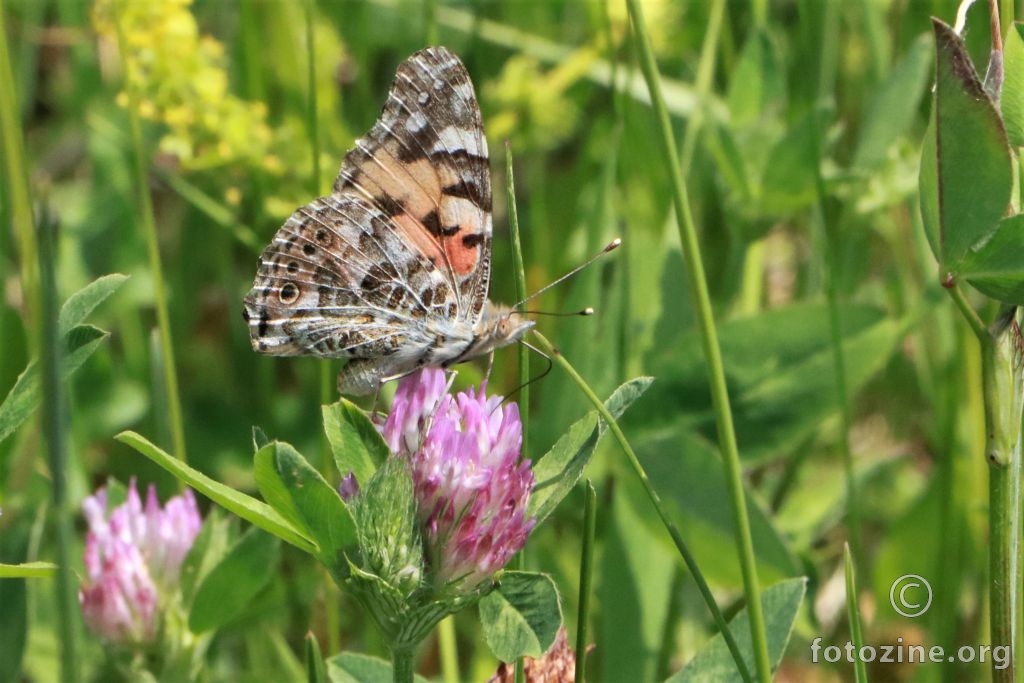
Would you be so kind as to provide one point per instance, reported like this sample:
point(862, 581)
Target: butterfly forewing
point(392, 268)
point(425, 163)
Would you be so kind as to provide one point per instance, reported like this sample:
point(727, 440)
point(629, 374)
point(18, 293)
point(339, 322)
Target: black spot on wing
point(432, 222)
point(473, 239)
point(473, 171)
point(389, 205)
point(471, 190)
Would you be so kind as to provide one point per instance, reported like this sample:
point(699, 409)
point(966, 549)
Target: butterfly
point(391, 269)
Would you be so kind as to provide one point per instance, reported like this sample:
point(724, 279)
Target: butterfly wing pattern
point(391, 270)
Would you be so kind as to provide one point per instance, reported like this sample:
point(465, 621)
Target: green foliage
point(233, 583)
point(891, 110)
point(260, 514)
point(13, 626)
point(973, 157)
point(316, 670)
point(80, 342)
point(350, 667)
point(356, 444)
point(1011, 102)
point(713, 663)
point(558, 470)
point(297, 491)
point(777, 364)
point(809, 135)
point(521, 616)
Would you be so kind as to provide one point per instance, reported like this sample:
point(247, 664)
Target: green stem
point(55, 428)
point(447, 645)
point(403, 665)
point(430, 21)
point(519, 272)
point(1000, 377)
point(969, 314)
point(853, 613)
point(759, 11)
point(876, 36)
point(702, 85)
point(712, 352)
point(831, 223)
point(312, 108)
point(17, 181)
point(315, 180)
point(586, 578)
point(222, 216)
point(332, 612)
point(1000, 557)
point(153, 248)
point(652, 495)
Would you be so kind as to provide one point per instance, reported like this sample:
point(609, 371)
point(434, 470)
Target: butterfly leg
point(450, 375)
point(373, 408)
point(490, 366)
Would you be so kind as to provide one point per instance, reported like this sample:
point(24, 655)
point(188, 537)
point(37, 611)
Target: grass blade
point(712, 352)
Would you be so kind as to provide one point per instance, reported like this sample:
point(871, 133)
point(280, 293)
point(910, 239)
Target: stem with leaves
point(652, 495)
point(712, 352)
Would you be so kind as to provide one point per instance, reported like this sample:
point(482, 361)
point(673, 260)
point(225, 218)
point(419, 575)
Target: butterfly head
point(498, 326)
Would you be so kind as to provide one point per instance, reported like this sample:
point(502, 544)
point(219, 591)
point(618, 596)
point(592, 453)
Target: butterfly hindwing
point(338, 280)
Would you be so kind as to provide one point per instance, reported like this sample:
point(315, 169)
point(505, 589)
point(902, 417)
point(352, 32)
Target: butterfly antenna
point(611, 246)
point(585, 311)
point(541, 376)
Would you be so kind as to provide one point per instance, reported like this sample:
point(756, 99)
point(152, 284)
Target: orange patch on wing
point(463, 259)
point(417, 187)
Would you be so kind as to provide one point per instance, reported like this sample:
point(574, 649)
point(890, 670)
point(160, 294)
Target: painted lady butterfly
point(391, 270)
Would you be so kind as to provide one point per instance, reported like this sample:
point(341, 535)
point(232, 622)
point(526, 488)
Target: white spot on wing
point(454, 138)
point(416, 122)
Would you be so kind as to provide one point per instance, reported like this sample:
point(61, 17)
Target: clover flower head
point(133, 558)
point(557, 665)
point(471, 487)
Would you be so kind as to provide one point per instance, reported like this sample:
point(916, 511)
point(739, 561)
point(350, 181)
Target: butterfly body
point(391, 270)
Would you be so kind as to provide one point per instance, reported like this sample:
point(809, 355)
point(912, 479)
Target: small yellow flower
point(182, 82)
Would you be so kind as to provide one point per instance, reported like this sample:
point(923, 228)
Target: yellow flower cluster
point(180, 80)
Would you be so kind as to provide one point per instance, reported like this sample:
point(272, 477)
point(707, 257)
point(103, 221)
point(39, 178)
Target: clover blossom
point(133, 558)
point(470, 486)
point(557, 665)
